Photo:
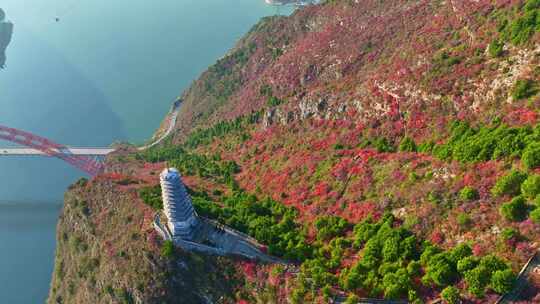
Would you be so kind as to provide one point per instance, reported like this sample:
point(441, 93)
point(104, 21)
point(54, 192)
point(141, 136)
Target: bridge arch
point(88, 164)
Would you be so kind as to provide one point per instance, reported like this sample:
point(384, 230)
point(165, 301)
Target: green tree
point(477, 280)
point(468, 193)
point(531, 156)
point(396, 284)
point(515, 210)
point(382, 145)
point(463, 220)
point(492, 263)
point(509, 184)
point(167, 250)
point(496, 48)
point(330, 226)
point(535, 215)
point(522, 28)
point(524, 88)
point(390, 250)
point(502, 281)
point(440, 270)
point(352, 299)
point(459, 252)
point(414, 268)
point(407, 145)
point(152, 197)
point(531, 187)
point(509, 233)
point(274, 101)
point(467, 264)
point(451, 295)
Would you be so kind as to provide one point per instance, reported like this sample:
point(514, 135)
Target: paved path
point(225, 241)
point(172, 123)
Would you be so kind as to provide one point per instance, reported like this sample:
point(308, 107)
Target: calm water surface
point(107, 71)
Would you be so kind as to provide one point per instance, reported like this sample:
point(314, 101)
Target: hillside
point(387, 149)
point(107, 252)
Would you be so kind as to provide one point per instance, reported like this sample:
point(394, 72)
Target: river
point(105, 71)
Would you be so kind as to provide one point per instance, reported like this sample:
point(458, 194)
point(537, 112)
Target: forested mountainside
point(386, 149)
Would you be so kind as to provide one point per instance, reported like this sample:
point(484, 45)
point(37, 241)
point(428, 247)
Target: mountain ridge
point(387, 149)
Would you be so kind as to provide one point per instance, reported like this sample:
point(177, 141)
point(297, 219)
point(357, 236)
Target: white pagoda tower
point(177, 205)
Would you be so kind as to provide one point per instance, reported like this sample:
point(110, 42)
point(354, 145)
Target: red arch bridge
point(89, 160)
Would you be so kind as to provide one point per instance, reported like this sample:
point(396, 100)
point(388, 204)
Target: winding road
point(172, 122)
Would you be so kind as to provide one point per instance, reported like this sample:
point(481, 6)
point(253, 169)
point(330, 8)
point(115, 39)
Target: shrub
point(531, 187)
point(152, 197)
point(509, 233)
point(460, 252)
point(450, 295)
point(515, 210)
point(407, 145)
point(467, 264)
point(82, 182)
point(352, 299)
point(468, 144)
point(396, 285)
point(463, 220)
point(493, 263)
point(414, 268)
point(524, 88)
point(124, 296)
point(167, 250)
point(468, 194)
point(535, 215)
point(531, 5)
point(521, 28)
point(426, 147)
point(477, 280)
point(496, 48)
point(206, 136)
point(531, 156)
point(330, 226)
point(274, 101)
point(509, 184)
point(268, 221)
point(382, 145)
point(502, 281)
point(443, 152)
point(440, 270)
point(390, 251)
point(428, 253)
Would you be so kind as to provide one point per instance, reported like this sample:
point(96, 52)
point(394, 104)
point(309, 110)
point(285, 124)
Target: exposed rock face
point(108, 252)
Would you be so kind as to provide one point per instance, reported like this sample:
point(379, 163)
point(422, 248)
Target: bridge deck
point(70, 150)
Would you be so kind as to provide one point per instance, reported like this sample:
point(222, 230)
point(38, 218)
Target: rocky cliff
point(108, 252)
